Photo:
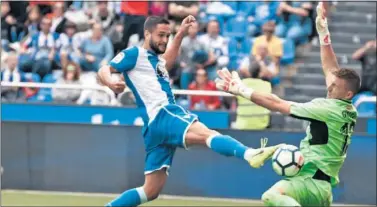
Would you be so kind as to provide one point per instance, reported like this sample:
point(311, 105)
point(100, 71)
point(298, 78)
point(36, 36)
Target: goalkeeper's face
point(339, 90)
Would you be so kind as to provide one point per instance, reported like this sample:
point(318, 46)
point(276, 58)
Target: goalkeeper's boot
point(265, 153)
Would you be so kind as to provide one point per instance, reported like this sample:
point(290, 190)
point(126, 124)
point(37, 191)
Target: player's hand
point(118, 87)
point(187, 23)
point(321, 25)
point(370, 44)
point(232, 83)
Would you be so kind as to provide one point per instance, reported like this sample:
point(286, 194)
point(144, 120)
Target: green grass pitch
point(26, 198)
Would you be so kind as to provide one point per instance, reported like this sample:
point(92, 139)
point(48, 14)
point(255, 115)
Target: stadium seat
point(49, 78)
point(45, 94)
point(245, 7)
point(31, 77)
point(246, 45)
point(236, 27)
point(233, 47)
point(288, 52)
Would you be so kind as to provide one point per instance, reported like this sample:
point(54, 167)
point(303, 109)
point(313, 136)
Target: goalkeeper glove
point(321, 25)
point(232, 83)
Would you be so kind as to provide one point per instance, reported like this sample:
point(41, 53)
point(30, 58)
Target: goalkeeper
point(332, 121)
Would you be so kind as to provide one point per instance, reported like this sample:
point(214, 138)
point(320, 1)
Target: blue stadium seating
point(44, 94)
point(245, 7)
point(288, 52)
point(247, 45)
point(236, 27)
point(232, 47)
point(26, 77)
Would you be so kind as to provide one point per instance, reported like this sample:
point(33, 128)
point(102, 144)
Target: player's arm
point(328, 57)
point(173, 50)
point(123, 62)
point(104, 76)
point(271, 102)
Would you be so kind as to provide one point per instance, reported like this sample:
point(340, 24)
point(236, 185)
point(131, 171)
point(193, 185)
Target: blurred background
point(63, 131)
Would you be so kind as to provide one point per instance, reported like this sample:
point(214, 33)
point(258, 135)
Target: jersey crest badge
point(161, 71)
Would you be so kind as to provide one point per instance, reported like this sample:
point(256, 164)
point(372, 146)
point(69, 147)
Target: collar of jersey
point(347, 101)
point(151, 52)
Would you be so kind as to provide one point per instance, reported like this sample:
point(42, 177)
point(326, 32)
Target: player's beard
point(154, 47)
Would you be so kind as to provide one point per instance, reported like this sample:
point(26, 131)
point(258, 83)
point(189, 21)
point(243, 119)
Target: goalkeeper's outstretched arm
point(271, 102)
point(232, 83)
point(328, 57)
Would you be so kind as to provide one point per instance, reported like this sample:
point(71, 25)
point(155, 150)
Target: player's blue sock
point(227, 145)
point(133, 197)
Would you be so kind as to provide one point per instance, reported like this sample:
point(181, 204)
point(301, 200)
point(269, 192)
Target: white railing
point(54, 85)
point(107, 91)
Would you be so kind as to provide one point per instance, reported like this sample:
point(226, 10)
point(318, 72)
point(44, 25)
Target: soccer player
point(166, 125)
point(332, 121)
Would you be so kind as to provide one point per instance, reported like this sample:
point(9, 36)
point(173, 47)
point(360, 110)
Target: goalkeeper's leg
point(299, 191)
point(276, 195)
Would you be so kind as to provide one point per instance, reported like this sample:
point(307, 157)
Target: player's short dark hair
point(152, 21)
point(351, 77)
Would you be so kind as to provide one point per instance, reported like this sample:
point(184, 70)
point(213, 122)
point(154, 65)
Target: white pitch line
point(163, 196)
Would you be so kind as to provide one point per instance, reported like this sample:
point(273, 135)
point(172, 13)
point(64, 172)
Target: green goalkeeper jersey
point(327, 137)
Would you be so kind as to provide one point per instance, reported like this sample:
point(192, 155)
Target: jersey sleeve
point(317, 109)
point(125, 60)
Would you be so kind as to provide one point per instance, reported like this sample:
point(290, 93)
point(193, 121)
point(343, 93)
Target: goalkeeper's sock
point(228, 146)
point(276, 199)
point(133, 197)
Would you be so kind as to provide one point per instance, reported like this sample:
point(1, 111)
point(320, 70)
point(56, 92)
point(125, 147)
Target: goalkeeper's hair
point(152, 21)
point(352, 79)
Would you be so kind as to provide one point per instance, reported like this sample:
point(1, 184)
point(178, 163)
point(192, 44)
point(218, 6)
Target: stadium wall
point(104, 158)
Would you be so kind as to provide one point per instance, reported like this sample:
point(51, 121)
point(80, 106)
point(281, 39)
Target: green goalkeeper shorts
point(305, 189)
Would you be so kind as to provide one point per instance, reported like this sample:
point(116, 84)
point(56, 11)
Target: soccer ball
point(287, 160)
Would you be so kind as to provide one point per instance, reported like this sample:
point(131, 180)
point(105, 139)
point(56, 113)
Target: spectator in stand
point(57, 16)
point(203, 102)
point(192, 51)
point(12, 74)
point(178, 10)
point(135, 13)
point(39, 52)
point(367, 56)
point(45, 7)
point(96, 51)
point(274, 43)
point(217, 45)
point(116, 35)
point(17, 9)
point(104, 15)
point(262, 63)
point(261, 13)
point(11, 30)
point(158, 8)
point(70, 76)
point(294, 21)
point(31, 25)
point(69, 48)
